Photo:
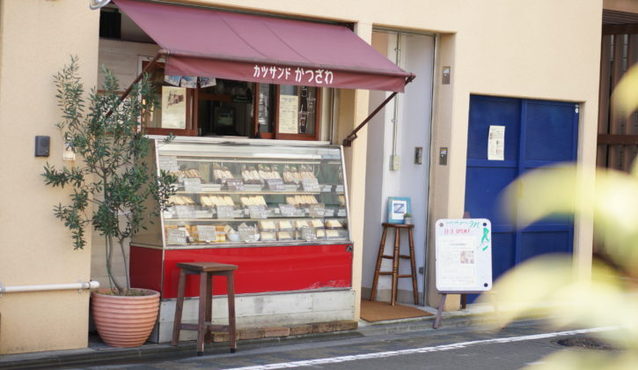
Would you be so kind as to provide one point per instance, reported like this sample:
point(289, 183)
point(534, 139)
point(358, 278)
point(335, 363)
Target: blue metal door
point(537, 133)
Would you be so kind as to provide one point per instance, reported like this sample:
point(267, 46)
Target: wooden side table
point(395, 257)
point(206, 271)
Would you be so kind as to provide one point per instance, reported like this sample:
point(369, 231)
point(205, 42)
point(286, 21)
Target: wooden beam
point(616, 29)
point(618, 139)
point(605, 85)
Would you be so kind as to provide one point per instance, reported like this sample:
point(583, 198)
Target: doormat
point(373, 311)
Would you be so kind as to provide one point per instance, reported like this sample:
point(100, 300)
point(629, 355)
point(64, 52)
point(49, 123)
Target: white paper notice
point(206, 233)
point(496, 143)
point(459, 254)
point(173, 107)
point(289, 114)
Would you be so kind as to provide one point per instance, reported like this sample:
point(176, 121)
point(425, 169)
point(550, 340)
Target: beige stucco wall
point(543, 49)
point(36, 39)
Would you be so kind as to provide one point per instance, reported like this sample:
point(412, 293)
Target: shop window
point(174, 108)
point(218, 107)
point(288, 112)
point(226, 108)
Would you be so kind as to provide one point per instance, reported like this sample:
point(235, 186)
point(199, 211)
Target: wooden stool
point(395, 262)
point(206, 271)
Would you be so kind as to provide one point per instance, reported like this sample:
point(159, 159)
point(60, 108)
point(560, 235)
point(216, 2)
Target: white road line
point(444, 347)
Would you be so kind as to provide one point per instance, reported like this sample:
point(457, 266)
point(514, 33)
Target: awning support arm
point(353, 135)
point(137, 79)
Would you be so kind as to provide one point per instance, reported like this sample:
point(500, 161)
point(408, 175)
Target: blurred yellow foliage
point(548, 285)
point(609, 196)
point(625, 97)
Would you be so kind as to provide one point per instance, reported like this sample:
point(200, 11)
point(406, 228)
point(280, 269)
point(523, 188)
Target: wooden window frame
point(276, 135)
point(191, 113)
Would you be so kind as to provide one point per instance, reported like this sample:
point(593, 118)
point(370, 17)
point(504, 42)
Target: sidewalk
point(99, 353)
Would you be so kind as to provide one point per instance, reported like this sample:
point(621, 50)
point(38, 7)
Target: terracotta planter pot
point(125, 321)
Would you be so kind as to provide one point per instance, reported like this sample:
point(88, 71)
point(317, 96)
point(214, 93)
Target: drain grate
point(585, 342)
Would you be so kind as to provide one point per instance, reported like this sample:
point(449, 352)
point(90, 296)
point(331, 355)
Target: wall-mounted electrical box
point(443, 156)
point(418, 155)
point(42, 145)
point(446, 75)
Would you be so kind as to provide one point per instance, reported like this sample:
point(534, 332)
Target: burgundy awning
point(206, 42)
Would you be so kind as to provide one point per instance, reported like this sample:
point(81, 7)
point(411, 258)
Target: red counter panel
point(261, 269)
point(146, 268)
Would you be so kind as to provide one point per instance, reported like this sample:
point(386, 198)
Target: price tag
point(326, 188)
point(311, 185)
point(259, 211)
point(175, 236)
point(308, 233)
point(207, 233)
point(168, 163)
point(193, 185)
point(275, 184)
point(341, 212)
point(288, 210)
point(329, 212)
point(225, 212)
point(339, 189)
point(235, 184)
point(185, 211)
point(316, 210)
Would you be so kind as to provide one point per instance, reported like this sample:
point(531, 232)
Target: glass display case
point(279, 212)
point(233, 194)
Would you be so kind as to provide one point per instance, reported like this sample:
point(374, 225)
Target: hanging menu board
point(463, 255)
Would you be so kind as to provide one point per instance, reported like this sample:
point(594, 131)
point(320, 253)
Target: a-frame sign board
point(463, 258)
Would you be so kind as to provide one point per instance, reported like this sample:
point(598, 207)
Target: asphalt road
point(451, 348)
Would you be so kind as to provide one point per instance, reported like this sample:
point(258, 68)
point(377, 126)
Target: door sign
point(496, 143)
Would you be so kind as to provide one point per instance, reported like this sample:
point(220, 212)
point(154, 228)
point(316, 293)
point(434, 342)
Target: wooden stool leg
point(375, 279)
point(209, 306)
point(395, 266)
point(209, 302)
point(232, 330)
point(415, 288)
point(179, 305)
point(202, 327)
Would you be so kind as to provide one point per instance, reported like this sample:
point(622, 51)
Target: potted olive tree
point(109, 185)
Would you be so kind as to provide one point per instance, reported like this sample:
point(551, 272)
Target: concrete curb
point(97, 354)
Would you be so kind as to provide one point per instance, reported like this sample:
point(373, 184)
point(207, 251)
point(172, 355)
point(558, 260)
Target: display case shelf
point(262, 195)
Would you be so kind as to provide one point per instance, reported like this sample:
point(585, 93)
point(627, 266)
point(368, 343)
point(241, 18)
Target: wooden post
point(377, 269)
point(395, 266)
